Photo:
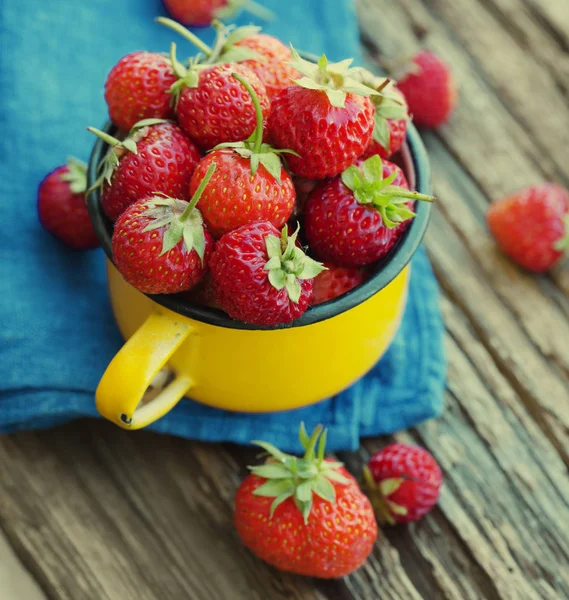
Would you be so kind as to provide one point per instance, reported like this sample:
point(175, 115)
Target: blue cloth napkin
point(57, 332)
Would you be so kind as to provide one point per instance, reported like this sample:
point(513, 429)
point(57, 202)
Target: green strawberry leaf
point(310, 268)
point(237, 54)
point(381, 133)
point(156, 223)
point(352, 178)
point(397, 509)
point(323, 488)
point(255, 158)
point(274, 488)
point(172, 236)
point(272, 450)
point(390, 486)
point(373, 169)
point(337, 98)
point(279, 500)
point(273, 245)
point(292, 287)
point(272, 471)
point(240, 33)
point(272, 163)
point(76, 175)
point(304, 491)
point(303, 436)
point(335, 476)
point(194, 234)
point(278, 279)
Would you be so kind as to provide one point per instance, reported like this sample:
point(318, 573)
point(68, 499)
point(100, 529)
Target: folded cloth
point(58, 333)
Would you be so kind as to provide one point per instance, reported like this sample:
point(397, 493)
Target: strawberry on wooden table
point(61, 206)
point(157, 156)
point(305, 515)
point(260, 275)
point(160, 244)
point(531, 226)
point(200, 13)
point(403, 482)
point(429, 88)
point(250, 183)
point(326, 117)
point(138, 87)
point(355, 219)
point(391, 116)
point(212, 107)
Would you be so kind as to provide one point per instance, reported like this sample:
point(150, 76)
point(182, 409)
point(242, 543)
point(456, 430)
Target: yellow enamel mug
point(234, 366)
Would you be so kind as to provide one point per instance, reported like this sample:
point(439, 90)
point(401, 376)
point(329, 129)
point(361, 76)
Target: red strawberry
point(305, 515)
point(200, 13)
point(274, 70)
point(391, 116)
point(212, 107)
point(532, 226)
point(61, 206)
point(138, 88)
point(220, 109)
point(160, 244)
point(327, 118)
point(250, 183)
point(157, 157)
point(261, 276)
point(336, 281)
point(355, 219)
point(404, 483)
point(429, 88)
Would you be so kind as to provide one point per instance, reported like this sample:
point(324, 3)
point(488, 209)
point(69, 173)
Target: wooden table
point(97, 514)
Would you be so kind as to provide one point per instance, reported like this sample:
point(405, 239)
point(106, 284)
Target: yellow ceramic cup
point(231, 365)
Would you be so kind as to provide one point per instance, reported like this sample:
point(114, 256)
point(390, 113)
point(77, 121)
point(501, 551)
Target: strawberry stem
point(185, 33)
point(197, 195)
point(258, 112)
point(109, 139)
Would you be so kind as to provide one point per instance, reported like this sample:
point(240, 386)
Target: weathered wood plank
point(98, 513)
point(464, 202)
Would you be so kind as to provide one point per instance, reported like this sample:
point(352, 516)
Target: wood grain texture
point(97, 513)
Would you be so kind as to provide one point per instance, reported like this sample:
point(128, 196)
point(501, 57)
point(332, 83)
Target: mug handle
point(133, 368)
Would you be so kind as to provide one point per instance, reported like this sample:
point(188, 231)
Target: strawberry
point(355, 219)
point(273, 70)
point(160, 244)
point(305, 515)
point(157, 157)
point(532, 225)
point(138, 88)
point(250, 183)
point(61, 206)
point(261, 276)
point(211, 106)
point(429, 88)
point(326, 117)
point(403, 482)
point(390, 128)
point(336, 281)
point(200, 13)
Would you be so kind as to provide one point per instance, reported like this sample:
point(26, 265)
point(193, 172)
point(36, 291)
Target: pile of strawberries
point(249, 178)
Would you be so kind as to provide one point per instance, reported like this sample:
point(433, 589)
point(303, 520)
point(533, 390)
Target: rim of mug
point(416, 169)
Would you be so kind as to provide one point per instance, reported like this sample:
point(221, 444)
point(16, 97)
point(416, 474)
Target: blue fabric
point(57, 333)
